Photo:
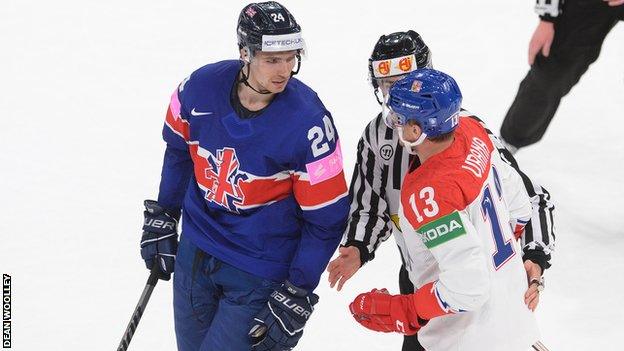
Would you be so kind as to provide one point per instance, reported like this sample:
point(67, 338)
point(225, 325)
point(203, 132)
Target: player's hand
point(159, 242)
point(379, 311)
point(541, 40)
point(534, 272)
point(614, 2)
point(279, 325)
point(344, 266)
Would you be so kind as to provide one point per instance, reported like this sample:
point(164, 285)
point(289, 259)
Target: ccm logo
point(157, 223)
point(290, 304)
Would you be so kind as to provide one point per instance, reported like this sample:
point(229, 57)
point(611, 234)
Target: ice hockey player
point(457, 213)
point(253, 165)
point(381, 165)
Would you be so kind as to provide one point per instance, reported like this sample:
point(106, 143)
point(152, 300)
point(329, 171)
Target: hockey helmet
point(429, 97)
point(268, 26)
point(397, 54)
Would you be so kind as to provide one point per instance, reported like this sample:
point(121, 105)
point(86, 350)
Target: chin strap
point(376, 92)
point(245, 80)
point(409, 145)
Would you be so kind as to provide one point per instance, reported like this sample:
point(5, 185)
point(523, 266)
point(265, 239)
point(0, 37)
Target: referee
point(379, 170)
point(566, 41)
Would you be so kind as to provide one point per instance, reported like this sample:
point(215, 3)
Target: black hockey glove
point(279, 325)
point(159, 242)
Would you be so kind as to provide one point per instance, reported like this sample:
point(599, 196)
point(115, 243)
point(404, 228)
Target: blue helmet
point(429, 97)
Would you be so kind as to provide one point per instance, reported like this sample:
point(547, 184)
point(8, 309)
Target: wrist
point(547, 19)
point(365, 256)
point(538, 257)
point(294, 290)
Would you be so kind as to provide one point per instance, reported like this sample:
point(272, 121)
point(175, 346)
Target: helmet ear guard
point(246, 54)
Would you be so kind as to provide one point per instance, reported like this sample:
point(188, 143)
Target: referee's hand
point(613, 3)
point(532, 295)
point(344, 266)
point(541, 40)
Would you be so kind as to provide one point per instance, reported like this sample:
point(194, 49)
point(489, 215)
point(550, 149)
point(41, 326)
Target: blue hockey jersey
point(265, 194)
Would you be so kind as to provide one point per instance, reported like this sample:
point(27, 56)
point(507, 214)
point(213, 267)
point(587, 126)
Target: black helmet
point(394, 54)
point(268, 26)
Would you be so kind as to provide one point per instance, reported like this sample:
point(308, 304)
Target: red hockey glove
point(379, 311)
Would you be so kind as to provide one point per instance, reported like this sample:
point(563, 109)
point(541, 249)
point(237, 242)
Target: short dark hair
point(443, 137)
point(440, 138)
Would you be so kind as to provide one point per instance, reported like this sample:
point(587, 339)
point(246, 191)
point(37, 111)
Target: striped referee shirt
point(376, 187)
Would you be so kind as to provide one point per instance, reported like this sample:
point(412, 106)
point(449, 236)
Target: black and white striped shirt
point(376, 187)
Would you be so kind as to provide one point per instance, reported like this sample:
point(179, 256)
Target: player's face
point(271, 70)
point(385, 83)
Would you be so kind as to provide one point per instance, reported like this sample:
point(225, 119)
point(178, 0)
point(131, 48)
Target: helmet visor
point(385, 83)
point(391, 118)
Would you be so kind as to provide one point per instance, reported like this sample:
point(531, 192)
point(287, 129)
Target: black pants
point(410, 343)
point(579, 33)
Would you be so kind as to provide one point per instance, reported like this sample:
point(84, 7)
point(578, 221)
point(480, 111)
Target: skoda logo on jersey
point(386, 152)
point(224, 179)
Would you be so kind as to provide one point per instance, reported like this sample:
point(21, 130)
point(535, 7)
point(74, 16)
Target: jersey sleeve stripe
point(175, 104)
point(397, 169)
point(357, 196)
point(327, 203)
point(174, 121)
point(321, 194)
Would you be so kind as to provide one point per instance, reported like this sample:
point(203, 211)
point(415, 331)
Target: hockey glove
point(159, 242)
point(279, 325)
point(379, 311)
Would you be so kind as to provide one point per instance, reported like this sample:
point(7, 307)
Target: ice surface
point(84, 86)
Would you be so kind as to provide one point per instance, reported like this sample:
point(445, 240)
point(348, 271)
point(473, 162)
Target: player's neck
point(429, 148)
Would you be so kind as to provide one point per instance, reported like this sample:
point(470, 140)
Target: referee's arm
point(369, 222)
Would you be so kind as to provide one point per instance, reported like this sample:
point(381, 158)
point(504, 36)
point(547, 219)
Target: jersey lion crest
point(224, 179)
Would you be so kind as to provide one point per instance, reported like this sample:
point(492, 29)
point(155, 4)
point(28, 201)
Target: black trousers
point(410, 343)
point(579, 33)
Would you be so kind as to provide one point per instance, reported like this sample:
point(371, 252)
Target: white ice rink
point(84, 86)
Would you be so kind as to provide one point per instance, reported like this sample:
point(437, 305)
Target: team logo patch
point(442, 230)
point(386, 151)
point(416, 86)
point(384, 67)
point(224, 179)
point(250, 11)
point(405, 64)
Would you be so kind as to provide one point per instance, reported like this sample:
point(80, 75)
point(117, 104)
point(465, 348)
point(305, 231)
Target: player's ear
point(415, 128)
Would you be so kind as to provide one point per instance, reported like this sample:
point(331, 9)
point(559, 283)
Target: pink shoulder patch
point(174, 105)
point(325, 168)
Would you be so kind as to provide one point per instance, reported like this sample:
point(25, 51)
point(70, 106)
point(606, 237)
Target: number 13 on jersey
point(503, 249)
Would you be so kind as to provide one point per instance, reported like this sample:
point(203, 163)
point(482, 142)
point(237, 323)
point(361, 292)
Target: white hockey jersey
point(458, 212)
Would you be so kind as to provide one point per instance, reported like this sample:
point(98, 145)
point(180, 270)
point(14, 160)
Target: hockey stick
point(538, 346)
point(140, 307)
